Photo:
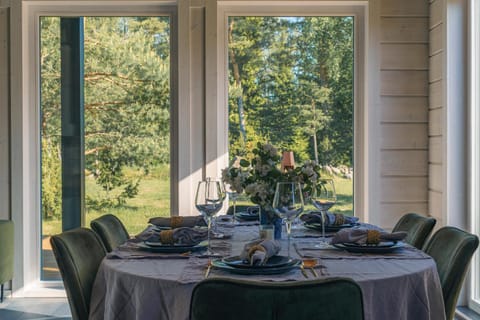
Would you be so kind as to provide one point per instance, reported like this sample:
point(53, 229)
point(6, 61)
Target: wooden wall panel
point(436, 39)
point(404, 83)
point(435, 149)
point(436, 67)
point(392, 212)
point(436, 13)
point(435, 96)
point(401, 29)
point(404, 109)
point(404, 8)
point(404, 136)
point(404, 189)
point(404, 163)
point(436, 122)
point(404, 56)
point(435, 206)
point(436, 177)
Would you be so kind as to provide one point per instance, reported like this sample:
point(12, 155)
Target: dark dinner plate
point(166, 248)
point(387, 248)
point(386, 244)
point(255, 270)
point(329, 228)
point(273, 262)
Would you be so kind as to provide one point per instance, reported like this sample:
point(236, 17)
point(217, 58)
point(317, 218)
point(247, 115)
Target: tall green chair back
point(111, 230)
point(452, 249)
point(78, 253)
point(6, 253)
point(418, 228)
point(234, 299)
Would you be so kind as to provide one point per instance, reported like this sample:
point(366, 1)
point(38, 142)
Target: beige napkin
point(366, 236)
point(178, 221)
point(332, 219)
point(259, 251)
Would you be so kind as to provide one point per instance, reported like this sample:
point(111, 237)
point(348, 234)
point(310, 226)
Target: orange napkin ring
point(339, 219)
point(255, 248)
point(373, 237)
point(176, 222)
point(166, 236)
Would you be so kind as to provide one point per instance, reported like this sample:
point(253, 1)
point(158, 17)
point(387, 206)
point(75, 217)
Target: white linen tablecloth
point(401, 286)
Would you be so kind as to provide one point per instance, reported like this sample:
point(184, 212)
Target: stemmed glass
point(209, 200)
point(233, 196)
point(323, 198)
point(288, 204)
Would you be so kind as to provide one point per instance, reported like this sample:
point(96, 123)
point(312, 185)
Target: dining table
point(136, 284)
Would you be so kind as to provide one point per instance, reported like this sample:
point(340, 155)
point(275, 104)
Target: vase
point(269, 218)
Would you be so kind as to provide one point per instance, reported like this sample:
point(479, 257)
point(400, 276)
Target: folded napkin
point(259, 251)
point(332, 219)
point(366, 236)
point(181, 236)
point(178, 221)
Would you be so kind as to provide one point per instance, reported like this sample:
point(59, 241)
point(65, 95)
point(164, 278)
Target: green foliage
point(296, 85)
point(127, 101)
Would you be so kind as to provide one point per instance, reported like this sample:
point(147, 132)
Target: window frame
point(216, 118)
point(474, 109)
point(26, 191)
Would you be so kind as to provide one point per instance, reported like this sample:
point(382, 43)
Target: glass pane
point(126, 119)
point(291, 84)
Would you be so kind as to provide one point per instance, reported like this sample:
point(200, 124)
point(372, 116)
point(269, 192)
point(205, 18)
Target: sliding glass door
point(105, 122)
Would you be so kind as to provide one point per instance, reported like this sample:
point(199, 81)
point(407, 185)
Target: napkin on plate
point(366, 236)
point(332, 219)
point(178, 221)
point(179, 236)
point(259, 251)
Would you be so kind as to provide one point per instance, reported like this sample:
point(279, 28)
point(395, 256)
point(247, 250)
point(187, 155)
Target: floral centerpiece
point(258, 177)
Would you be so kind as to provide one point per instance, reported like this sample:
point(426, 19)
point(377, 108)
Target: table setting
point(152, 275)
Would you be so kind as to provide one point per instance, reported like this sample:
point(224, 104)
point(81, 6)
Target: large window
point(105, 111)
point(291, 84)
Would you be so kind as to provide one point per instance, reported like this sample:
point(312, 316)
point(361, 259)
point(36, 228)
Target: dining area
point(226, 266)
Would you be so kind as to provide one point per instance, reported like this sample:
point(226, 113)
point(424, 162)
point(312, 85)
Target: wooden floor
point(49, 265)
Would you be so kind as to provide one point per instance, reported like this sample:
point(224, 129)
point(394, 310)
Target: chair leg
point(1, 296)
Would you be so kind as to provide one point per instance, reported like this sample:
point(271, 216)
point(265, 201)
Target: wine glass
point(323, 198)
point(209, 200)
point(233, 196)
point(288, 204)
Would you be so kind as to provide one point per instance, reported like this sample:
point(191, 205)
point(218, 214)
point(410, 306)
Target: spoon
point(310, 264)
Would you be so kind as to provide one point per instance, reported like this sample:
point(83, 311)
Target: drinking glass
point(288, 204)
point(209, 200)
point(323, 198)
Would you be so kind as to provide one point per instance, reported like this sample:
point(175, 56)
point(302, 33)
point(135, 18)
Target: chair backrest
point(6, 250)
point(234, 299)
point(452, 249)
point(418, 228)
point(111, 231)
point(78, 253)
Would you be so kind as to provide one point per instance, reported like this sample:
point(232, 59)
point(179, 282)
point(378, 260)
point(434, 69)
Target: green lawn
point(153, 200)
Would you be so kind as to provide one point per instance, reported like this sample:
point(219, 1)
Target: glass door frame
point(26, 130)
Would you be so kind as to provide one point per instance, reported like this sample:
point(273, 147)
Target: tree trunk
point(238, 83)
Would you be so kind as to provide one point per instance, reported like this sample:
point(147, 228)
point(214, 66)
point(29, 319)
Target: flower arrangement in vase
point(258, 177)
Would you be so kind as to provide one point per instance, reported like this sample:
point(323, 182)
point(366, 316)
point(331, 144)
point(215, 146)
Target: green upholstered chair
point(452, 249)
point(111, 231)
point(418, 228)
point(6, 253)
point(234, 299)
point(78, 253)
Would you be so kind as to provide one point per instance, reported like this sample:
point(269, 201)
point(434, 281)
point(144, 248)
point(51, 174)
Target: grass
point(153, 200)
